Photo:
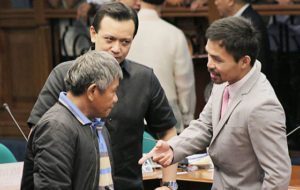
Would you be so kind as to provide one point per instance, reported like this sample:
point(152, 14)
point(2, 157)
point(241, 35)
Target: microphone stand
point(5, 105)
point(294, 130)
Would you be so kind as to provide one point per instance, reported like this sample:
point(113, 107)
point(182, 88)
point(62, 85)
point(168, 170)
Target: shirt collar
point(124, 66)
point(240, 12)
point(234, 88)
point(64, 100)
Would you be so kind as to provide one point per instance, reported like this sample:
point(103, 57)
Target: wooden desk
point(192, 180)
point(295, 179)
point(202, 179)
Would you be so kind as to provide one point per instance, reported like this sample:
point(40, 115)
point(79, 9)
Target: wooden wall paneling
point(213, 13)
point(275, 9)
point(4, 83)
point(202, 78)
point(39, 9)
point(7, 127)
point(44, 61)
point(5, 4)
point(31, 62)
point(16, 18)
point(184, 12)
point(26, 61)
point(22, 47)
point(4, 70)
point(43, 56)
point(19, 78)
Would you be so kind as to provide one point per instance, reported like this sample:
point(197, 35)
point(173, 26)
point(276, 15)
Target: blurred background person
point(163, 47)
point(243, 8)
point(74, 34)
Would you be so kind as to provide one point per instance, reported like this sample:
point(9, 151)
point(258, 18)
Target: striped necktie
point(105, 181)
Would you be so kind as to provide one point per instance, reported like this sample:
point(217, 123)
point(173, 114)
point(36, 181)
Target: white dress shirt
point(163, 47)
point(235, 87)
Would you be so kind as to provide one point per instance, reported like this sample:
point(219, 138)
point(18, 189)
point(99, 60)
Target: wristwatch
point(171, 184)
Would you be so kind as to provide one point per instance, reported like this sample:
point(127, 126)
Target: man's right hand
point(161, 153)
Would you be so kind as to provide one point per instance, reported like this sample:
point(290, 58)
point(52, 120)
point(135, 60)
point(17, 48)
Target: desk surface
point(201, 175)
point(206, 176)
point(295, 179)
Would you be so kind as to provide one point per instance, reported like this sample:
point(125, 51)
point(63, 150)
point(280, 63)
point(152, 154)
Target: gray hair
point(97, 67)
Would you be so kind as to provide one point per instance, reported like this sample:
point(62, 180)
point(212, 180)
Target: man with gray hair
point(63, 148)
point(141, 97)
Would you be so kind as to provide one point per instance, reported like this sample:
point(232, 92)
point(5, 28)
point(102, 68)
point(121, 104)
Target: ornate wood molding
point(274, 9)
point(17, 18)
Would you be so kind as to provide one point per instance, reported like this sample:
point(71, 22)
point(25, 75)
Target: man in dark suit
point(243, 8)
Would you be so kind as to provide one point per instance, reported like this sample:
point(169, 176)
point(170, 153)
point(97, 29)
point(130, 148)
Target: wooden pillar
point(5, 84)
point(5, 4)
point(25, 62)
point(213, 13)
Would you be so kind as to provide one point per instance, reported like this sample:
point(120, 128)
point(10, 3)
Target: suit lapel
point(248, 11)
point(217, 103)
point(218, 123)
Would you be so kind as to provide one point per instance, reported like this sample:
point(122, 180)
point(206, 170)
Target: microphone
point(294, 130)
point(5, 105)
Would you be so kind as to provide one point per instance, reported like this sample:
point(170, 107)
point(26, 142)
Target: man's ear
point(93, 34)
point(91, 91)
point(245, 61)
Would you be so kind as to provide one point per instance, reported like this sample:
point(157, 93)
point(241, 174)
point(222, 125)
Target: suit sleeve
point(53, 148)
point(196, 137)
point(49, 93)
point(268, 137)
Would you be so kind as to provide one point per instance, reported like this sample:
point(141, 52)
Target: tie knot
point(226, 93)
point(97, 123)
